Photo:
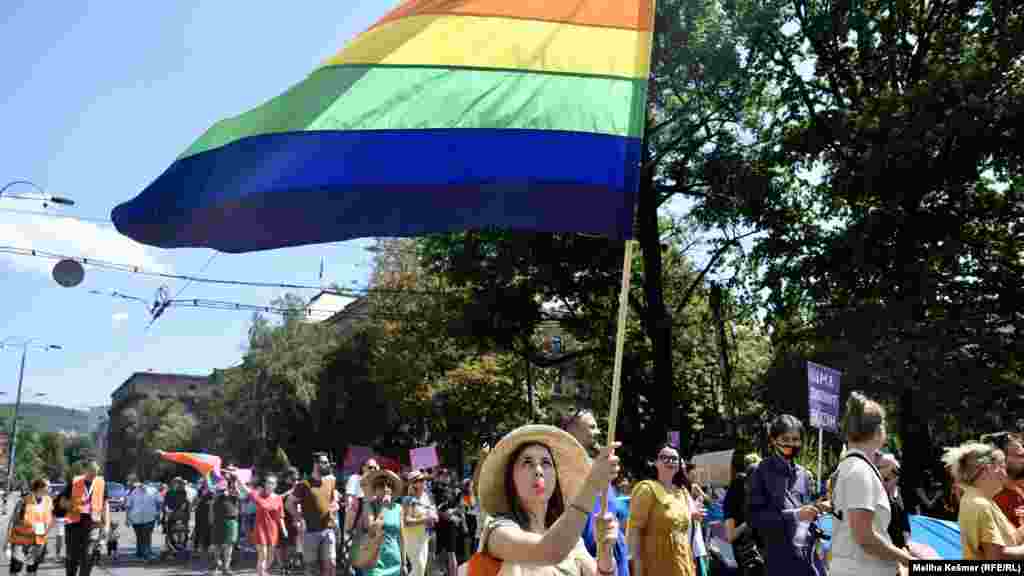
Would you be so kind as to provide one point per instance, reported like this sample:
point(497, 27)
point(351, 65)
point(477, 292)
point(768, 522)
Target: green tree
point(52, 453)
point(901, 264)
point(156, 424)
point(78, 448)
point(477, 402)
point(28, 461)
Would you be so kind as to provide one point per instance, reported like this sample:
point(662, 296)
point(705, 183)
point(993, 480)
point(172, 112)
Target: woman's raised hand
point(605, 466)
point(608, 529)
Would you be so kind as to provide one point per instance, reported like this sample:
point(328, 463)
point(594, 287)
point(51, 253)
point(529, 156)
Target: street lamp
point(25, 345)
point(44, 196)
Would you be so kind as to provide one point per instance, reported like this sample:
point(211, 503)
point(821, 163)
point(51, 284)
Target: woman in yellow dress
point(659, 522)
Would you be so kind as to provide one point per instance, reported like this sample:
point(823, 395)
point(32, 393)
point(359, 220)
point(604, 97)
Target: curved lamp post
point(43, 195)
point(25, 345)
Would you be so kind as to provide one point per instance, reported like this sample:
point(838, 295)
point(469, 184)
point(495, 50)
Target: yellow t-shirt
point(981, 521)
point(662, 521)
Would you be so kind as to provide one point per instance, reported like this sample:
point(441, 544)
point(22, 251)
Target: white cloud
point(118, 317)
point(67, 237)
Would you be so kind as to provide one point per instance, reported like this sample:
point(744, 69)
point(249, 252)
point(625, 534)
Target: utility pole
point(17, 406)
point(14, 424)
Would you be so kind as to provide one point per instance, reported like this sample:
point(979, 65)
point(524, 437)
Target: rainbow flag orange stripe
point(442, 116)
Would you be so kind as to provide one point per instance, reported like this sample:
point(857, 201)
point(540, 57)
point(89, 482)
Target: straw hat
point(372, 477)
point(416, 475)
point(571, 464)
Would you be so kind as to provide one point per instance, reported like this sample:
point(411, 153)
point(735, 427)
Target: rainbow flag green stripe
point(354, 97)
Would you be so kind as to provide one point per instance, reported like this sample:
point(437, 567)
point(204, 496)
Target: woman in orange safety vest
point(29, 526)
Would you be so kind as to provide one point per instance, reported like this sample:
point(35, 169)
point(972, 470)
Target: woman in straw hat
point(383, 521)
point(538, 487)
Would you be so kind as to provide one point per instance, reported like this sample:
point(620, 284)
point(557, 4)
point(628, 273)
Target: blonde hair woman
point(861, 542)
point(985, 532)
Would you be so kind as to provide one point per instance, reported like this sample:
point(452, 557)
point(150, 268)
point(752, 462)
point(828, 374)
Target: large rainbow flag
point(444, 115)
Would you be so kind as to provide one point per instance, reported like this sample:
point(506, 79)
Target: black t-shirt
point(226, 506)
point(60, 503)
point(735, 505)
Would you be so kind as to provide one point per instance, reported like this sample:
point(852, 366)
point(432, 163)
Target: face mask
point(789, 452)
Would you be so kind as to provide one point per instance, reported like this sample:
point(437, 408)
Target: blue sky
point(99, 98)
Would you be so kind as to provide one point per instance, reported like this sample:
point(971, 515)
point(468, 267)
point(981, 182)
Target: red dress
point(269, 512)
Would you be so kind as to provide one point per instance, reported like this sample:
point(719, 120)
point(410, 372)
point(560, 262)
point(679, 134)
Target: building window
point(556, 344)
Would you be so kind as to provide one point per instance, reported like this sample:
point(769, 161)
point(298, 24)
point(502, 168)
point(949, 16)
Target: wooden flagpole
point(620, 341)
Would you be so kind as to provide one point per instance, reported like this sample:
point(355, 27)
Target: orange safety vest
point(24, 533)
point(78, 496)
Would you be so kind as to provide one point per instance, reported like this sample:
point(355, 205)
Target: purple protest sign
point(673, 438)
point(823, 396)
point(423, 458)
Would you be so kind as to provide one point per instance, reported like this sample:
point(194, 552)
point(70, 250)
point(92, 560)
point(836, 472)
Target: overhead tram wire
point(90, 220)
point(157, 313)
point(134, 269)
point(226, 305)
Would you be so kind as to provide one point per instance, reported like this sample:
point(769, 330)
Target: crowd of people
point(550, 500)
point(79, 517)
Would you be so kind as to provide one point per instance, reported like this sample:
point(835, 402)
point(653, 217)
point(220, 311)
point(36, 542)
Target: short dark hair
point(569, 419)
point(785, 423)
point(38, 483)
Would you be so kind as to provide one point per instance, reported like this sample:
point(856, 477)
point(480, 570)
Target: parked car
point(117, 494)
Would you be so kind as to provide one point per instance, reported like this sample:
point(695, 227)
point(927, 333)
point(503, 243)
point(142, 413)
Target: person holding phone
point(384, 523)
point(782, 505)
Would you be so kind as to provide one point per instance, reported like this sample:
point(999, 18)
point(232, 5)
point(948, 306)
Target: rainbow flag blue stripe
point(443, 116)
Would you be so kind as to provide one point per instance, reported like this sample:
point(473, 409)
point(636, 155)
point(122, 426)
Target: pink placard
point(423, 458)
point(244, 476)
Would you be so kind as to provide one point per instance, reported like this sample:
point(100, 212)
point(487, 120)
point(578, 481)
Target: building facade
point(118, 452)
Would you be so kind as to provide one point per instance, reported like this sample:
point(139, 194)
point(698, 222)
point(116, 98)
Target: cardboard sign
point(244, 476)
point(823, 396)
point(423, 458)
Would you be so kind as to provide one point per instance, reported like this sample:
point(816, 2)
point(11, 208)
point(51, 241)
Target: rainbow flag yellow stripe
point(503, 44)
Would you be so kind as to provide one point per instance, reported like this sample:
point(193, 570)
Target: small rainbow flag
point(445, 115)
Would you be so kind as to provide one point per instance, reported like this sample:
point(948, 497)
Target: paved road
point(128, 565)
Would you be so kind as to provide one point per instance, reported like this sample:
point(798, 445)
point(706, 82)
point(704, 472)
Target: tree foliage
point(156, 424)
point(893, 228)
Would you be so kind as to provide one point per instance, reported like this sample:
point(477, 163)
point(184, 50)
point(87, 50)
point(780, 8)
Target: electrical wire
point(225, 305)
point(102, 221)
point(134, 269)
point(157, 312)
